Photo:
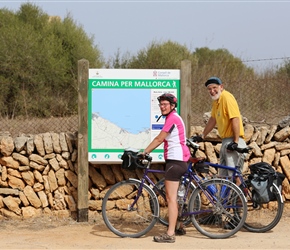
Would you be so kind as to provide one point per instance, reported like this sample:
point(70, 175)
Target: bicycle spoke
point(221, 214)
point(126, 216)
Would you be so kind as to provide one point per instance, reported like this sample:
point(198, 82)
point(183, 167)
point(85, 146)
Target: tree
point(284, 70)
point(220, 63)
point(167, 55)
point(38, 62)
point(119, 61)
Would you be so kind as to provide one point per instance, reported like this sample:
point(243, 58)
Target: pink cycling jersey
point(175, 143)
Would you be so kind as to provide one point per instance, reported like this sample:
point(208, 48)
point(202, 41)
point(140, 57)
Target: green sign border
point(125, 84)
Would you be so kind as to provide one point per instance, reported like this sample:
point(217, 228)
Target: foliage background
point(38, 73)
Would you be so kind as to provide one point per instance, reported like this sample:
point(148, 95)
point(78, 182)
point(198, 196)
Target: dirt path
point(47, 233)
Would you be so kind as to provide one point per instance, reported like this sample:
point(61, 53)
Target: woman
point(176, 155)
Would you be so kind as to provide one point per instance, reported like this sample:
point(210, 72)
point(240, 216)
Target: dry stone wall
point(38, 173)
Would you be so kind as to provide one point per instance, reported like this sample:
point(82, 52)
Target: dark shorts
point(174, 170)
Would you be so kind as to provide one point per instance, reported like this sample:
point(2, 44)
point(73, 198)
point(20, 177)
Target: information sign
point(123, 110)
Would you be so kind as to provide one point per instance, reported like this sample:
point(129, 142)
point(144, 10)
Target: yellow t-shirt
point(223, 110)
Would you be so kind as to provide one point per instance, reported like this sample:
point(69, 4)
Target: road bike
point(132, 207)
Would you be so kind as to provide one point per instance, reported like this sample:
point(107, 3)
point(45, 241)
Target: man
point(226, 115)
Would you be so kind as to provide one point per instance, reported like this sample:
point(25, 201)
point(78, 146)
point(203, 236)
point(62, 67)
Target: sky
point(257, 32)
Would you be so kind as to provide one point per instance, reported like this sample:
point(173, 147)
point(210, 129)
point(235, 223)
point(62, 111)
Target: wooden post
point(185, 94)
point(83, 164)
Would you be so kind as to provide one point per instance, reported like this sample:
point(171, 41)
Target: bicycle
point(131, 207)
point(259, 218)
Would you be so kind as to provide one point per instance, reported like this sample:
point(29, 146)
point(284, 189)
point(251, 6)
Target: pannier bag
point(131, 160)
point(262, 178)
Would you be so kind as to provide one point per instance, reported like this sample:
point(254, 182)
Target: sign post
point(83, 165)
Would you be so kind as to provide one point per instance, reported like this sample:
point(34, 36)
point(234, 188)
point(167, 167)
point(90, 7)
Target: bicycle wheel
point(263, 217)
point(223, 209)
point(126, 214)
point(161, 195)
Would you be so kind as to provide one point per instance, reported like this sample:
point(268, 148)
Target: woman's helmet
point(168, 97)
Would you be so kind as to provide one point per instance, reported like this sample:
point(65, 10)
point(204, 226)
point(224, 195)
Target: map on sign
point(118, 118)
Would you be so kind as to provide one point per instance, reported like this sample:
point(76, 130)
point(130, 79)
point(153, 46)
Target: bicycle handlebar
point(191, 143)
point(244, 150)
point(194, 145)
point(146, 157)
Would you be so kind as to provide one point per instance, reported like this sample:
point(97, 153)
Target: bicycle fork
point(130, 207)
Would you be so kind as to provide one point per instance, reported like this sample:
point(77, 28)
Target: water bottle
point(224, 191)
point(211, 188)
point(180, 193)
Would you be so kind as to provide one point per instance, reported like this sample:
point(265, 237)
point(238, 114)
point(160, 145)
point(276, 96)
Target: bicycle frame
point(145, 178)
point(235, 170)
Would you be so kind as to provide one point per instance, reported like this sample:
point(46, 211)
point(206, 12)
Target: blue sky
point(251, 30)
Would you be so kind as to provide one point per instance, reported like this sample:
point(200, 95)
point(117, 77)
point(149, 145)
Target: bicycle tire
point(264, 217)
point(163, 215)
point(125, 221)
point(229, 209)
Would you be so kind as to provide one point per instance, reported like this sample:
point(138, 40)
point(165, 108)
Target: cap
point(214, 80)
